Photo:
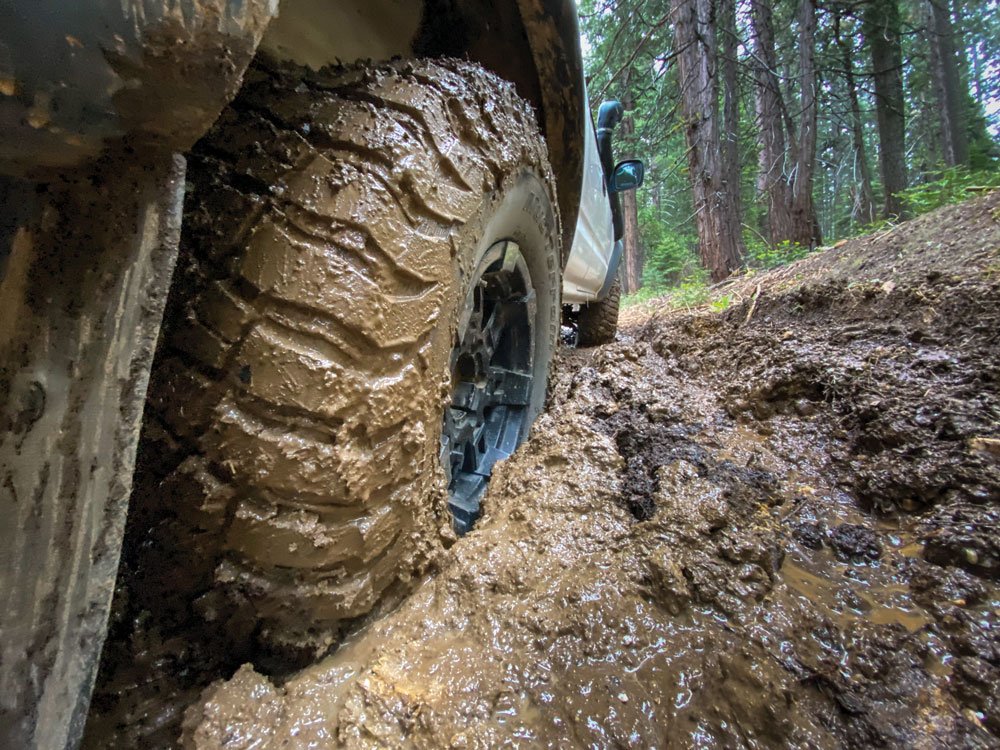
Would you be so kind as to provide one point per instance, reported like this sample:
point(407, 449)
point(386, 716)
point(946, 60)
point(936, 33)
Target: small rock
point(714, 511)
point(986, 446)
point(910, 504)
point(805, 408)
point(809, 534)
point(854, 542)
point(669, 585)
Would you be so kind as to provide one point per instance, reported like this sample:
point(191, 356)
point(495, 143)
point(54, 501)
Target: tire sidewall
point(523, 212)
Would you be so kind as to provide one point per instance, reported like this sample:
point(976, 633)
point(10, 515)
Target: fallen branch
point(753, 305)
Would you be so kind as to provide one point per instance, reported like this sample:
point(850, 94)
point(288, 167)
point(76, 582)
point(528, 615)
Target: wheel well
point(532, 43)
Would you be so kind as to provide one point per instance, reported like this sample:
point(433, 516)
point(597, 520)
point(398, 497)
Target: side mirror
point(627, 175)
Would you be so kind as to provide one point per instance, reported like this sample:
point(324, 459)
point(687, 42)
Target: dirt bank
point(777, 525)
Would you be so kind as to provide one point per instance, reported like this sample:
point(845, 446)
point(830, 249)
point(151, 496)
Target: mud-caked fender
point(77, 75)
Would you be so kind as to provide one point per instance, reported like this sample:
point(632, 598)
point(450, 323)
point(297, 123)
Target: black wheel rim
point(492, 375)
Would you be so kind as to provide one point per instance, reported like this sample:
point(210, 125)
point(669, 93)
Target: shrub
point(762, 255)
point(949, 186)
point(670, 256)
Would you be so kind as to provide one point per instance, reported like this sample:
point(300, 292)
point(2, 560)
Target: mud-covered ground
point(776, 525)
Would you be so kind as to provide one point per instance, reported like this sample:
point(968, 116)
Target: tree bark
point(947, 83)
point(632, 251)
point(977, 74)
point(720, 240)
point(773, 167)
point(730, 104)
point(863, 209)
point(882, 30)
point(805, 223)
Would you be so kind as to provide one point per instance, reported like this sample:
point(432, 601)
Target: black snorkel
point(609, 115)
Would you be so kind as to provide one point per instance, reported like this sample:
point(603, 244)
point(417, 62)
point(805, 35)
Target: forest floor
point(776, 525)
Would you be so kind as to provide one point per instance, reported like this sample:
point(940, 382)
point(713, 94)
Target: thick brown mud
point(774, 526)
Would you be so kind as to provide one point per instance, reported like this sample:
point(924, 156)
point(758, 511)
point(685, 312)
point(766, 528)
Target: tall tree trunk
point(805, 222)
point(720, 240)
point(947, 82)
point(863, 210)
point(774, 166)
point(632, 251)
point(882, 30)
point(977, 73)
point(730, 104)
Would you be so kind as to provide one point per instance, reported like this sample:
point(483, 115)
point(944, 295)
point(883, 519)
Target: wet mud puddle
point(728, 530)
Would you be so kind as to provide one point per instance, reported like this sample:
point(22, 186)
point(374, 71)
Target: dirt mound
point(775, 525)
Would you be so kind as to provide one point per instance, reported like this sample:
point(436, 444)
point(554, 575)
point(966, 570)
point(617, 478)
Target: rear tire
point(597, 322)
point(335, 224)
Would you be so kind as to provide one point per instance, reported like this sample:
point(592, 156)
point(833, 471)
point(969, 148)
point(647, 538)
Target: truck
point(291, 273)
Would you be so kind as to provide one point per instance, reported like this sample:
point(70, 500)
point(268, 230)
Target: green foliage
point(879, 225)
point(670, 256)
point(629, 55)
point(722, 303)
point(761, 254)
point(949, 186)
point(642, 296)
point(691, 292)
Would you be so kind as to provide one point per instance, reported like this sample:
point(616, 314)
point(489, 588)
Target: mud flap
point(85, 277)
point(616, 259)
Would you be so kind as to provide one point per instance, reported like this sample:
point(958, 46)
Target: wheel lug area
point(484, 422)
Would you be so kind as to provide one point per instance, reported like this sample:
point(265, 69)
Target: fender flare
point(613, 263)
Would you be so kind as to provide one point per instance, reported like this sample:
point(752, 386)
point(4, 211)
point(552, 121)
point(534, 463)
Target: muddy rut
point(772, 526)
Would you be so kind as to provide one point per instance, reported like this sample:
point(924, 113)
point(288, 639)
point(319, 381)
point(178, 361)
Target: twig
point(753, 305)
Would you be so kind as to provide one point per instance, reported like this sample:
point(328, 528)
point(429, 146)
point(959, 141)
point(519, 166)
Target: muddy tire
point(333, 223)
point(598, 322)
